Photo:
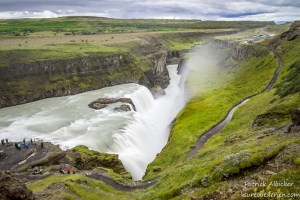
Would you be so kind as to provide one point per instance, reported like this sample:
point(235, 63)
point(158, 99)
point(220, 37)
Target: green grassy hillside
point(237, 149)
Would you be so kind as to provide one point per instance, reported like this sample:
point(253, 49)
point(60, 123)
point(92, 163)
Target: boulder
point(295, 114)
point(122, 108)
point(102, 102)
point(97, 106)
point(12, 187)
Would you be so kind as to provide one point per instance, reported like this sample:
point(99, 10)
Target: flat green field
point(70, 37)
point(98, 25)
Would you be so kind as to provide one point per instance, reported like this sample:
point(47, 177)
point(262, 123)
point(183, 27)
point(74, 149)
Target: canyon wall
point(240, 51)
point(144, 63)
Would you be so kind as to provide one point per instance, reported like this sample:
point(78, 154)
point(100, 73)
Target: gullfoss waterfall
point(137, 136)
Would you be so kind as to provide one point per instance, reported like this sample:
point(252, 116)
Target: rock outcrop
point(173, 57)
point(123, 108)
point(102, 103)
point(240, 51)
point(94, 159)
point(13, 188)
point(296, 116)
point(266, 118)
point(293, 33)
point(181, 66)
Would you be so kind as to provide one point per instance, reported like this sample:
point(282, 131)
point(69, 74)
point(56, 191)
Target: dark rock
point(12, 188)
point(156, 169)
point(295, 129)
point(296, 116)
point(260, 136)
point(102, 103)
point(181, 66)
point(123, 107)
point(266, 118)
point(292, 33)
point(51, 158)
point(97, 106)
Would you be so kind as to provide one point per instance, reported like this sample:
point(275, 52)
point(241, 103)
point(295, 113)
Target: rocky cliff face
point(181, 66)
point(293, 33)
point(53, 67)
point(173, 57)
point(239, 51)
point(26, 82)
point(144, 64)
point(22, 83)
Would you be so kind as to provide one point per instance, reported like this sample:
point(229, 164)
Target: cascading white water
point(136, 136)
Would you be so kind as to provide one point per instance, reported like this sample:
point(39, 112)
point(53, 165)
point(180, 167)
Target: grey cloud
point(203, 9)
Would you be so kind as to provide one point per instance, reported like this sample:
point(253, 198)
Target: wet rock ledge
point(103, 102)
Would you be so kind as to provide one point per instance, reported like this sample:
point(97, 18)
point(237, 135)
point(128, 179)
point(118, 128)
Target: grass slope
point(205, 172)
point(224, 88)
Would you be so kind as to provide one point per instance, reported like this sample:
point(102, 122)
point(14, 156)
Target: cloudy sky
point(262, 10)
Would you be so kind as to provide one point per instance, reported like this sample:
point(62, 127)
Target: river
point(137, 136)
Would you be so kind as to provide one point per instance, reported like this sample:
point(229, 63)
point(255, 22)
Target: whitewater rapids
point(137, 136)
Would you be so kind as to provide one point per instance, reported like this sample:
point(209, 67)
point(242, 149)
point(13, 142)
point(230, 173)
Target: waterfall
point(147, 133)
point(142, 99)
point(137, 136)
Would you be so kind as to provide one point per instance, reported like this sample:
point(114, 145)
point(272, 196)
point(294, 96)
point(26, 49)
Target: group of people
point(26, 145)
point(61, 171)
point(2, 141)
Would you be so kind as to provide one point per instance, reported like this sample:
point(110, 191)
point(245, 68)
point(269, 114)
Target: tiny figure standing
point(31, 141)
point(61, 171)
point(6, 140)
point(19, 146)
point(42, 145)
point(2, 141)
point(68, 170)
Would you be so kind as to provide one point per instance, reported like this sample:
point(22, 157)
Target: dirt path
point(119, 186)
point(217, 128)
point(94, 174)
